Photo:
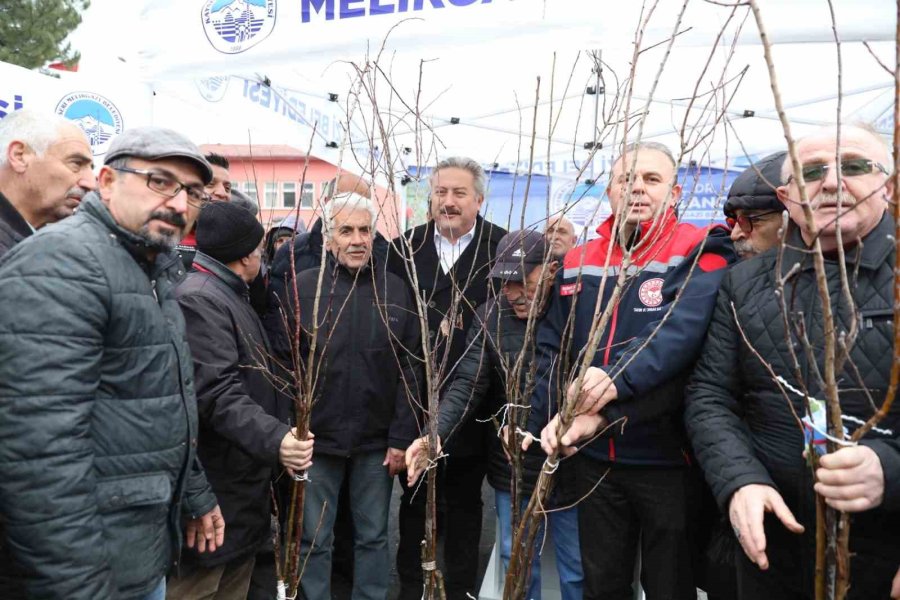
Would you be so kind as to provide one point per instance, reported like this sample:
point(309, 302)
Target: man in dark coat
point(451, 255)
point(363, 345)
point(243, 419)
point(498, 347)
point(45, 170)
point(98, 416)
point(744, 425)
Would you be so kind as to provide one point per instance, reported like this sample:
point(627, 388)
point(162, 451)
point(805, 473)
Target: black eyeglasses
point(851, 167)
point(746, 221)
point(170, 187)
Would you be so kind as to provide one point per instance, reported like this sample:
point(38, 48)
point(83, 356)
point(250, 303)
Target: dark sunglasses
point(746, 221)
point(851, 167)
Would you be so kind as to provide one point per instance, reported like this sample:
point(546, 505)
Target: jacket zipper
point(609, 341)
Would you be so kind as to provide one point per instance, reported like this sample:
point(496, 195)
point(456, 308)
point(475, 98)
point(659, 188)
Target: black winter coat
point(493, 345)
point(739, 422)
point(98, 417)
point(471, 275)
point(13, 227)
point(307, 250)
point(369, 373)
point(243, 419)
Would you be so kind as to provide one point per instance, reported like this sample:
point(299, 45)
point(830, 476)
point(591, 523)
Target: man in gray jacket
point(98, 415)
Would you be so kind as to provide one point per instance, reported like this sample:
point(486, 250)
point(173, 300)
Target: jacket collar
point(210, 265)
point(134, 244)
point(874, 250)
point(14, 218)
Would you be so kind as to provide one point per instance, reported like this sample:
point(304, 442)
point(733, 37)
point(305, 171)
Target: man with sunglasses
point(744, 424)
point(753, 210)
point(98, 414)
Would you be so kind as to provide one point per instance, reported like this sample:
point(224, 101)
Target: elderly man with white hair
point(46, 168)
point(367, 382)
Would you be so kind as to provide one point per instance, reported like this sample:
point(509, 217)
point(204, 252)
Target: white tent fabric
point(233, 71)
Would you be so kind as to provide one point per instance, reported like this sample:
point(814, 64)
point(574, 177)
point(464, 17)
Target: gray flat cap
point(752, 192)
point(154, 143)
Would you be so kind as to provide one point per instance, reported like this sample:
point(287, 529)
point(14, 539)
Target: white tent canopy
point(470, 69)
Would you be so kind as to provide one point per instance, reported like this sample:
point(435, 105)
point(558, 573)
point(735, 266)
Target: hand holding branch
point(597, 390)
point(746, 510)
point(582, 428)
point(296, 455)
point(207, 532)
point(851, 479)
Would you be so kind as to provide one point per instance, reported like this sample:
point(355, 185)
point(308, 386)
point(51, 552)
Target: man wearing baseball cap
point(525, 268)
point(753, 210)
point(98, 416)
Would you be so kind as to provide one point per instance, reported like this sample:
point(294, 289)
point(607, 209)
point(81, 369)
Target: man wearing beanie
point(753, 210)
point(243, 421)
point(98, 417)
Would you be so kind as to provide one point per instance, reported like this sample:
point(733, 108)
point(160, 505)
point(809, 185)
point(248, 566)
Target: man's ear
point(105, 180)
point(552, 268)
point(676, 194)
point(17, 156)
point(783, 195)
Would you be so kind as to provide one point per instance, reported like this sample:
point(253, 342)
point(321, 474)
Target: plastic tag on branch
point(301, 476)
point(282, 591)
point(815, 427)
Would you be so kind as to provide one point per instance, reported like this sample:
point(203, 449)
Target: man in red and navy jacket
point(650, 489)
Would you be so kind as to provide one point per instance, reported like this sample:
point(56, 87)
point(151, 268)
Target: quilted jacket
point(650, 341)
point(743, 428)
point(98, 418)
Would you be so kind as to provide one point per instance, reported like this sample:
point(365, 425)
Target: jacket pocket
point(134, 511)
point(137, 490)
point(870, 318)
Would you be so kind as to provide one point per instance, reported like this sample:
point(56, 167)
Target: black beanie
point(227, 232)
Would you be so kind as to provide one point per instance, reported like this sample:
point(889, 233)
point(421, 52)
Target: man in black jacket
point(744, 424)
point(363, 347)
point(243, 419)
point(499, 347)
point(45, 170)
point(451, 256)
point(98, 416)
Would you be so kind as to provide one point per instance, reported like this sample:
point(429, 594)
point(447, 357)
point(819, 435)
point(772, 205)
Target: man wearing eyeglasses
point(98, 414)
point(753, 210)
point(745, 425)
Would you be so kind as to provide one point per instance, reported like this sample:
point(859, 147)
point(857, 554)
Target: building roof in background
point(254, 151)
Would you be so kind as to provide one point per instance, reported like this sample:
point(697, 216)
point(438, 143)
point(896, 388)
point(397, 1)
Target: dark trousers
point(789, 576)
point(654, 507)
point(459, 482)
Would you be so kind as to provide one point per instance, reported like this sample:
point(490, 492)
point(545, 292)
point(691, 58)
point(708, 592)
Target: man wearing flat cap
point(98, 416)
point(499, 347)
point(243, 420)
point(753, 210)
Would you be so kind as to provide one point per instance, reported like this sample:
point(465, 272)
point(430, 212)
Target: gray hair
point(635, 146)
point(348, 201)
point(37, 130)
point(466, 164)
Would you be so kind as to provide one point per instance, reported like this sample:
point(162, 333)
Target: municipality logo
point(213, 88)
point(233, 26)
point(95, 115)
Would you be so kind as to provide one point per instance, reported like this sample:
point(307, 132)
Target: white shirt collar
point(449, 252)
